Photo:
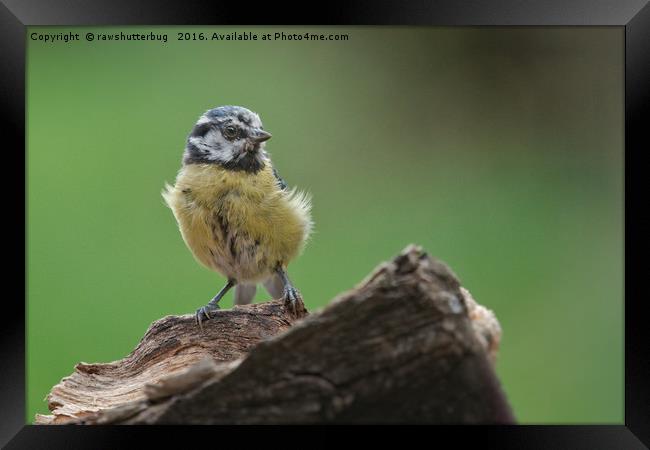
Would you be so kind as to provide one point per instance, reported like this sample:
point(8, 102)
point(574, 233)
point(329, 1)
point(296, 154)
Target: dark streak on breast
point(187, 193)
point(223, 225)
point(252, 249)
point(232, 247)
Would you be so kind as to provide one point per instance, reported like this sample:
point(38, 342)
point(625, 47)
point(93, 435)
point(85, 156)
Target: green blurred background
point(500, 150)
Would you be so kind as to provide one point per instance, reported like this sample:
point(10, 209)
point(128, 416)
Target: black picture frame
point(632, 15)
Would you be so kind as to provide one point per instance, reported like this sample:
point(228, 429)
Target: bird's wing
point(281, 182)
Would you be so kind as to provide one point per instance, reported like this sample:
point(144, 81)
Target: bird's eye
point(230, 131)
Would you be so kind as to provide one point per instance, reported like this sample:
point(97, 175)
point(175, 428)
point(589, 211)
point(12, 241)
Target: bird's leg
point(291, 295)
point(213, 305)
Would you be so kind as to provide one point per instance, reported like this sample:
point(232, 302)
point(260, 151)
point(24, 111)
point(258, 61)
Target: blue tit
point(234, 212)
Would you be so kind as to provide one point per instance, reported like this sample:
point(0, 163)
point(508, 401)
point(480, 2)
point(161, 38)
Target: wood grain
point(407, 345)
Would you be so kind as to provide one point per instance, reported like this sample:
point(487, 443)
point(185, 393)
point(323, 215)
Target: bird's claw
point(206, 311)
point(291, 299)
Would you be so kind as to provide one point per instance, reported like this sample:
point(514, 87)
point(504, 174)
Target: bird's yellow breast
point(241, 224)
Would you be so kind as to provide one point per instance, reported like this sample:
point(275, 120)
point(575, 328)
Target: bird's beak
point(260, 135)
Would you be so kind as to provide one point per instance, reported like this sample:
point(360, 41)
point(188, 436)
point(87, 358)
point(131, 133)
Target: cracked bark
point(408, 344)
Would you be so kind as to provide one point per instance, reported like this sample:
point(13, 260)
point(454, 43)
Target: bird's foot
point(292, 299)
point(205, 313)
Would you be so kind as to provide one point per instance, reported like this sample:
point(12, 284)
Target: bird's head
point(231, 136)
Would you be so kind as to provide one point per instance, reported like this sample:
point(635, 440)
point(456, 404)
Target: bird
point(235, 213)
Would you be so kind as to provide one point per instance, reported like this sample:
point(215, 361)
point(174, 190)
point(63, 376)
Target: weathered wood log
point(408, 344)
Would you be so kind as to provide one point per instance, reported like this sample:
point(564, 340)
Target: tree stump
point(407, 345)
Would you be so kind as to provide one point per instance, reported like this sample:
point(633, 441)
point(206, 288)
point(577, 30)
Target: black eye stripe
point(231, 131)
point(232, 128)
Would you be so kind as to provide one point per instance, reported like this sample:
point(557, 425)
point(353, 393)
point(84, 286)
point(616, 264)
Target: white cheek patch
point(197, 142)
point(214, 147)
